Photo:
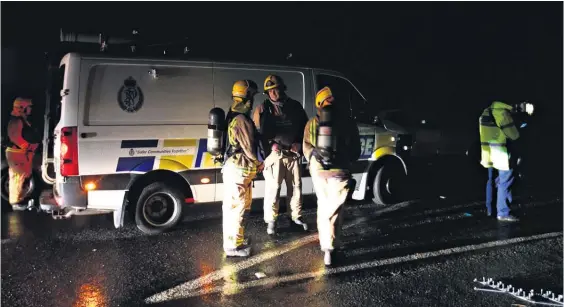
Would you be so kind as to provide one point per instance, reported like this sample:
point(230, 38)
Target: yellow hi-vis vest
point(496, 126)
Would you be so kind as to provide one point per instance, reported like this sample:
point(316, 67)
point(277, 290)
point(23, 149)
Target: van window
point(345, 94)
point(122, 95)
point(225, 77)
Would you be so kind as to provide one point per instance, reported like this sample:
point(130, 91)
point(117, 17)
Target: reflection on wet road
point(85, 262)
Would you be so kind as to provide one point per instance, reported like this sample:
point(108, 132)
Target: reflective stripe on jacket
point(496, 126)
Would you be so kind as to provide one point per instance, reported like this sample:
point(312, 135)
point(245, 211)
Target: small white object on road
point(442, 197)
point(260, 275)
point(94, 250)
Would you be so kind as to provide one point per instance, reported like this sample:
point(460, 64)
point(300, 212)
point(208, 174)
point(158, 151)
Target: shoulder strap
point(266, 112)
point(269, 106)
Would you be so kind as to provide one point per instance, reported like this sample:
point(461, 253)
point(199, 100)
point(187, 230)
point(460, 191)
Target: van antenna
point(134, 45)
point(103, 42)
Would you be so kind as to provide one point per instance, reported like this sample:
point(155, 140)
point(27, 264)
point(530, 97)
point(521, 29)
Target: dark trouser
point(504, 183)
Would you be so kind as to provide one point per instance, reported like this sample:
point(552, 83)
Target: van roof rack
point(135, 45)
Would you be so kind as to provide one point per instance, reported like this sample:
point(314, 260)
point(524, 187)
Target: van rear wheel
point(159, 208)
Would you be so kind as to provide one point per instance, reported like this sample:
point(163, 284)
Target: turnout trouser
point(238, 195)
point(20, 169)
point(282, 168)
point(331, 195)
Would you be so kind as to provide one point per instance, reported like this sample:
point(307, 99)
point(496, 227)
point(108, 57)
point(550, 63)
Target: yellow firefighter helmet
point(244, 89)
point(322, 95)
point(274, 81)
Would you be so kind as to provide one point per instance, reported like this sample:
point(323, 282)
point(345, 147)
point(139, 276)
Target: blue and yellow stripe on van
point(177, 162)
point(199, 159)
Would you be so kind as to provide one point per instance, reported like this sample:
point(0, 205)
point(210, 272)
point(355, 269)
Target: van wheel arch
point(168, 183)
point(169, 177)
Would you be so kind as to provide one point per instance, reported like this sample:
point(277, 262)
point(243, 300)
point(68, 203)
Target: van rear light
point(69, 151)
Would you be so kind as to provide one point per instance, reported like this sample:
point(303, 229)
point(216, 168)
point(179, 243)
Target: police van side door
point(136, 116)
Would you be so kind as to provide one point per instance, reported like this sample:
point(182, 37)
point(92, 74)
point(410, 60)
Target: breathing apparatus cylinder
point(325, 142)
point(216, 131)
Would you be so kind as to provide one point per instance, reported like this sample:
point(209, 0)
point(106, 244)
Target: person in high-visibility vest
point(23, 141)
point(332, 183)
point(497, 129)
point(241, 167)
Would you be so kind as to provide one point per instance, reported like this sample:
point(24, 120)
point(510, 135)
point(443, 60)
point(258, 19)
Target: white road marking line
point(161, 297)
point(231, 269)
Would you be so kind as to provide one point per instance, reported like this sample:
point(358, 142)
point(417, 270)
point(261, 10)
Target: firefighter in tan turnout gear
point(331, 143)
point(240, 168)
point(23, 141)
point(281, 121)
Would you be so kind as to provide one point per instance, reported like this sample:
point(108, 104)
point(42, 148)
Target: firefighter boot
point(242, 251)
point(327, 258)
point(271, 228)
point(300, 222)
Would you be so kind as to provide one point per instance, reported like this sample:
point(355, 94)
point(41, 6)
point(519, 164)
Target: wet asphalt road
point(417, 253)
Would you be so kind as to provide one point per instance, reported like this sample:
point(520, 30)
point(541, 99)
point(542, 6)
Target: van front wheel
point(388, 184)
point(159, 208)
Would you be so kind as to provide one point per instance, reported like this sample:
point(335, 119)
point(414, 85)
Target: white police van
point(132, 133)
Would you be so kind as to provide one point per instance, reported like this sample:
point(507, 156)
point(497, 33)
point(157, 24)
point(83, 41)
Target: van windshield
point(350, 100)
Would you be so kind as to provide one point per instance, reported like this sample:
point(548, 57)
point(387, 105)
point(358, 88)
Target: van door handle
point(85, 135)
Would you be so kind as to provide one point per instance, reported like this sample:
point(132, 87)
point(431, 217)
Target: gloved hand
point(260, 167)
point(325, 161)
point(218, 159)
point(295, 148)
point(315, 154)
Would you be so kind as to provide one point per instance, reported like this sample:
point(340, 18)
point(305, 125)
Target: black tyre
point(389, 183)
point(159, 208)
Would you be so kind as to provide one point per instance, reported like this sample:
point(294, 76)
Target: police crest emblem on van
point(131, 152)
point(130, 96)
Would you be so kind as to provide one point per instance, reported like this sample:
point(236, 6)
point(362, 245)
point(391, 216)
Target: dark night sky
point(451, 58)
